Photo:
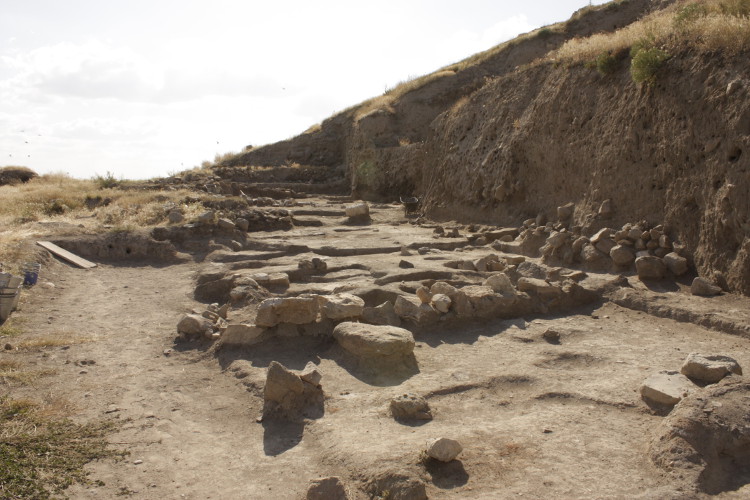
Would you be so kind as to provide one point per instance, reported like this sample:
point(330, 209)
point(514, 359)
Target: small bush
point(106, 181)
point(646, 63)
point(688, 14)
point(606, 64)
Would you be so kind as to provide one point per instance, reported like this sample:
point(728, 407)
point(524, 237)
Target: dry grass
point(59, 198)
point(711, 26)
point(53, 340)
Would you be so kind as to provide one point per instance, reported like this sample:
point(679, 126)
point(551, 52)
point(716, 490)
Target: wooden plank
point(70, 257)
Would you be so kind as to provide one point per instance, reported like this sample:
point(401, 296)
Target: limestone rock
point(483, 302)
point(704, 288)
point(288, 397)
point(666, 387)
point(602, 234)
point(374, 340)
point(622, 255)
point(242, 224)
point(565, 212)
point(342, 306)
point(444, 449)
point(241, 335)
point(359, 209)
point(424, 295)
point(207, 218)
point(311, 374)
point(540, 287)
point(676, 264)
point(605, 245)
point(500, 283)
point(413, 309)
point(410, 407)
point(398, 485)
point(328, 488)
point(441, 302)
point(650, 267)
point(226, 225)
point(483, 264)
point(605, 209)
point(709, 368)
point(194, 324)
point(384, 314)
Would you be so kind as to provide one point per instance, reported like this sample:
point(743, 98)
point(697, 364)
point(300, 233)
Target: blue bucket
point(30, 277)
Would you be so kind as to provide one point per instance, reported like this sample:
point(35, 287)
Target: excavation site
point(525, 275)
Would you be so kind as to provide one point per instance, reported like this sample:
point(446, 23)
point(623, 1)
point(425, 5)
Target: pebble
point(137, 462)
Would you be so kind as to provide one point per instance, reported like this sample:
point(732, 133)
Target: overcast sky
point(144, 88)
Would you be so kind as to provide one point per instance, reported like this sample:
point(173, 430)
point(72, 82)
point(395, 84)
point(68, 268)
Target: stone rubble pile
point(669, 387)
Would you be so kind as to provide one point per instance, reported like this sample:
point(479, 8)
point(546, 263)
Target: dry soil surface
point(536, 420)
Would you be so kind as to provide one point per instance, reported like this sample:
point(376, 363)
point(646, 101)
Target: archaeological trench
point(513, 280)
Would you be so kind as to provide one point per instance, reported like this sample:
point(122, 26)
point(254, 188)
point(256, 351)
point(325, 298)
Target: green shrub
point(606, 63)
point(106, 181)
point(646, 63)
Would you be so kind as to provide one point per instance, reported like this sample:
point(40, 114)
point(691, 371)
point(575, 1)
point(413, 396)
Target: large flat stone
point(364, 340)
point(666, 387)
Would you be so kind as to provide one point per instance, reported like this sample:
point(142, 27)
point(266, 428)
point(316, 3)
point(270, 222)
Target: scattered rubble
point(444, 449)
point(410, 407)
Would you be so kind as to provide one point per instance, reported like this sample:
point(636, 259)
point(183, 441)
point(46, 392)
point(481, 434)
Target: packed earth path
point(544, 405)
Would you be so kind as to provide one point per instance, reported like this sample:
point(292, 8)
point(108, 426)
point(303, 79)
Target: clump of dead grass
point(42, 455)
point(58, 197)
point(709, 26)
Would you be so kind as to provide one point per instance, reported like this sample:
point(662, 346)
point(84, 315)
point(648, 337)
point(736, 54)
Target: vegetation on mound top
point(710, 26)
point(60, 198)
point(41, 456)
point(16, 175)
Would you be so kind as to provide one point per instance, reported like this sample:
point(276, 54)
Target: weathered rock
point(444, 449)
point(622, 255)
point(500, 283)
point(676, 264)
point(241, 335)
point(650, 267)
point(441, 302)
point(557, 239)
point(288, 397)
point(709, 368)
point(605, 209)
point(605, 245)
point(481, 301)
point(194, 325)
point(226, 225)
point(410, 407)
point(359, 210)
point(342, 306)
point(206, 218)
point(328, 488)
point(590, 254)
point(384, 314)
point(539, 287)
point(704, 288)
point(578, 244)
point(175, 217)
point(311, 374)
point(415, 310)
point(552, 336)
point(424, 295)
point(666, 388)
point(295, 310)
point(374, 340)
point(602, 234)
point(483, 264)
point(443, 288)
point(565, 212)
point(405, 264)
point(514, 260)
point(242, 224)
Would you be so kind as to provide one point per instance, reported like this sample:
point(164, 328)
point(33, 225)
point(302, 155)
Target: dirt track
point(536, 420)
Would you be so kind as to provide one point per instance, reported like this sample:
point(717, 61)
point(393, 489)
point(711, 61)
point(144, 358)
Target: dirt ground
point(536, 420)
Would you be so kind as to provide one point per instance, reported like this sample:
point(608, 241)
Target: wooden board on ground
point(62, 253)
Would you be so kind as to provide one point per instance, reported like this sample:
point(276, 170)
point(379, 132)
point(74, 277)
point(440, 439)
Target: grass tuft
point(40, 456)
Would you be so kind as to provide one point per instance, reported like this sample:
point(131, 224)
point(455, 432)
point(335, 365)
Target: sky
point(148, 88)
